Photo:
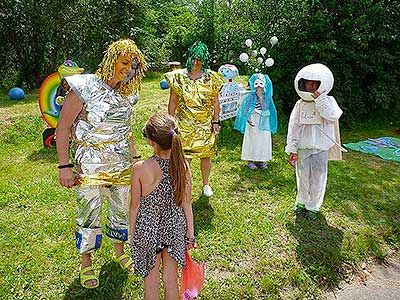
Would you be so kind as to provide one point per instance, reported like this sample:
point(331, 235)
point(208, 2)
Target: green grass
point(253, 246)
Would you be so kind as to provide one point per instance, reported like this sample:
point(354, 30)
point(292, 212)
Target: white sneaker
point(207, 191)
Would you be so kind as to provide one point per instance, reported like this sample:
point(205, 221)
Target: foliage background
point(358, 40)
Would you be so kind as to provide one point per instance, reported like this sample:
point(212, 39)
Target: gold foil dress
point(195, 110)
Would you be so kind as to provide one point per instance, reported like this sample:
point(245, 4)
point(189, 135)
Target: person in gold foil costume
point(194, 103)
point(97, 115)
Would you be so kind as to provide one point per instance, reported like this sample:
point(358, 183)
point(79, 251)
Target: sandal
point(251, 166)
point(86, 277)
point(262, 165)
point(127, 264)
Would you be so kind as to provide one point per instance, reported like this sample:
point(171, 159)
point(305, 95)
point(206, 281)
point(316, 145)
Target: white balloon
point(273, 40)
point(260, 60)
point(256, 70)
point(248, 42)
point(254, 53)
point(269, 62)
point(244, 57)
point(263, 50)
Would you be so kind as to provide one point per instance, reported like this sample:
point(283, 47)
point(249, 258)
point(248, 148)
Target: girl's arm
point(136, 192)
point(187, 205)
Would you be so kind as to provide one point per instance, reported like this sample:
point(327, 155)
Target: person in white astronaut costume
point(313, 136)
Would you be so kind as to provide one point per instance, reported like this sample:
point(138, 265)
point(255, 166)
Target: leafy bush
point(357, 40)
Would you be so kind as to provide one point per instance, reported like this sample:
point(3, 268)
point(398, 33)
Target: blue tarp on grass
point(384, 147)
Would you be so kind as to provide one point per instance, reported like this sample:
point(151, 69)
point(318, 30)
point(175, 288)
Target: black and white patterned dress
point(159, 224)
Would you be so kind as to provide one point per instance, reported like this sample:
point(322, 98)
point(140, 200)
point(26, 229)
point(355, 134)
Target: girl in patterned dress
point(161, 217)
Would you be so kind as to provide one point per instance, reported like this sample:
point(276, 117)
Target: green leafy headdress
point(198, 50)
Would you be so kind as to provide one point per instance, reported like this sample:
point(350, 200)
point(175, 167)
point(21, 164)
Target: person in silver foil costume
point(97, 117)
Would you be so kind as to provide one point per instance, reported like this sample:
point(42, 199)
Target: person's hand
point(293, 157)
point(67, 178)
point(215, 129)
point(316, 94)
point(250, 123)
point(259, 92)
point(190, 243)
point(189, 246)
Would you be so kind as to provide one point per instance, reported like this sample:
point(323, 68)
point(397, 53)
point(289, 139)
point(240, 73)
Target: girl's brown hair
point(162, 130)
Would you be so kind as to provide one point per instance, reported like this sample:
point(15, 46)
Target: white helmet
point(317, 72)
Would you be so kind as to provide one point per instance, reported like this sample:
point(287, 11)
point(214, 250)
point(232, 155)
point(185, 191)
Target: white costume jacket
point(311, 123)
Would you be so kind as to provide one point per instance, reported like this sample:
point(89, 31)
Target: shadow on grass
point(44, 154)
point(318, 250)
point(204, 213)
point(112, 279)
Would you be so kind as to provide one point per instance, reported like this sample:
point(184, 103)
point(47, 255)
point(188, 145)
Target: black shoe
point(311, 215)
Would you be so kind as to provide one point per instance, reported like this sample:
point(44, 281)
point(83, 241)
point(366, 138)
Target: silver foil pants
point(311, 175)
point(88, 221)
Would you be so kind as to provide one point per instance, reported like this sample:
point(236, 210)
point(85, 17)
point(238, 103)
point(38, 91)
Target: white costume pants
point(88, 221)
point(257, 144)
point(311, 175)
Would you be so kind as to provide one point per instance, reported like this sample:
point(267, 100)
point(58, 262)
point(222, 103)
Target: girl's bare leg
point(170, 276)
point(152, 282)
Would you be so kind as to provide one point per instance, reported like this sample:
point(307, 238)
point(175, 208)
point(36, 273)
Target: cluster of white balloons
point(261, 61)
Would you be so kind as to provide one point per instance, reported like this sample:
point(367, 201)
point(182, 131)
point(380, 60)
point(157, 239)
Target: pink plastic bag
point(192, 278)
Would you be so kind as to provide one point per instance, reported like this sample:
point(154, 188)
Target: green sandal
point(127, 264)
point(86, 277)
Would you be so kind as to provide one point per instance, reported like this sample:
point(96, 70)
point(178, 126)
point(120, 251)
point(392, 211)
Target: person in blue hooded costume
point(257, 120)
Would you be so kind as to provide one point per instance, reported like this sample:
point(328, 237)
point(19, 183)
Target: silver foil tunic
point(101, 133)
point(102, 151)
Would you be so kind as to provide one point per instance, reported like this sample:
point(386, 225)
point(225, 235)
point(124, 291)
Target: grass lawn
point(253, 246)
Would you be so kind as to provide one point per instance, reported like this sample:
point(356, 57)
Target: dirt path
point(382, 284)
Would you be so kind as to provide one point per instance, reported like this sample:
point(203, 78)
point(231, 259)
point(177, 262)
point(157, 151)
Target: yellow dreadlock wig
point(106, 69)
